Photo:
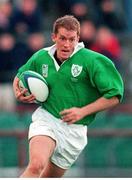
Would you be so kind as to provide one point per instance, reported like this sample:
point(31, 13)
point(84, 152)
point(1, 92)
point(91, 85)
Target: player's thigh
point(52, 171)
point(41, 148)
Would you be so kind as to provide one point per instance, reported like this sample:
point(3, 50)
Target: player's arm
point(75, 114)
point(100, 105)
point(20, 94)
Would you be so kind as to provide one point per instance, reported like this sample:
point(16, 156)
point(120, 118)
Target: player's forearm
point(100, 105)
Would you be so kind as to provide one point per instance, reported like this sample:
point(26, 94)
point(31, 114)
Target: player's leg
point(40, 150)
point(52, 170)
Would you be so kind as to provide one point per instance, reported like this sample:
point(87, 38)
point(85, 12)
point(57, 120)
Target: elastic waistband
point(77, 126)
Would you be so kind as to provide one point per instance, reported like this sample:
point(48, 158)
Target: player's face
point(65, 42)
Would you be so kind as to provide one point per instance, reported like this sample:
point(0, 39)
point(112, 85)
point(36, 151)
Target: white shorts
point(70, 139)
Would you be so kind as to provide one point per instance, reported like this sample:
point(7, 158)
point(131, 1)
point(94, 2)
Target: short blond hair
point(68, 22)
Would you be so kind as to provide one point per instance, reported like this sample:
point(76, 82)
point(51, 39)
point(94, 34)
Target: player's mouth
point(66, 52)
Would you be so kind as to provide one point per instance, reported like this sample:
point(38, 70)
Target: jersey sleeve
point(105, 77)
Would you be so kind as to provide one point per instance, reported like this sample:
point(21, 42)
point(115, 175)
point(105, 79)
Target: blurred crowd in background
point(26, 26)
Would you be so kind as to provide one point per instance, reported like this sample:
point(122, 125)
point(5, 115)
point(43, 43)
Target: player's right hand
point(20, 93)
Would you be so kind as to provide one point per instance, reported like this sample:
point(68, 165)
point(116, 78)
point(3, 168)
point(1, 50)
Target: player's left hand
point(72, 115)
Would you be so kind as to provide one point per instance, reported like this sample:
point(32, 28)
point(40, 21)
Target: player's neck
point(57, 59)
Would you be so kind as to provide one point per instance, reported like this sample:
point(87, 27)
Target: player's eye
point(72, 40)
point(62, 38)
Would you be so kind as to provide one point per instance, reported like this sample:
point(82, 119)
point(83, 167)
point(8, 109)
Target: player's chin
point(64, 57)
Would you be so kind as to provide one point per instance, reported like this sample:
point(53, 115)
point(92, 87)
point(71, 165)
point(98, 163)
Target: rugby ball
point(36, 85)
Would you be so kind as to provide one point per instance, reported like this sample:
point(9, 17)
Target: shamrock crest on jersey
point(76, 70)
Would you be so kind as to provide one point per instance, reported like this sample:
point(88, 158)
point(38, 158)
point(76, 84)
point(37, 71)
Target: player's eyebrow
point(63, 36)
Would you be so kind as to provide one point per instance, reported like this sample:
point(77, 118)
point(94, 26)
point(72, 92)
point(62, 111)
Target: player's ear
point(78, 37)
point(53, 37)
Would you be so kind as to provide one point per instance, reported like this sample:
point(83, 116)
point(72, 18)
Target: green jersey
point(80, 80)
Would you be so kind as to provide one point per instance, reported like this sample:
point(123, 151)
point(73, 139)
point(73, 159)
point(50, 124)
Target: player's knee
point(36, 166)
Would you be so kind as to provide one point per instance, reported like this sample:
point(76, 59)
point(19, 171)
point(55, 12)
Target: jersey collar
point(51, 50)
